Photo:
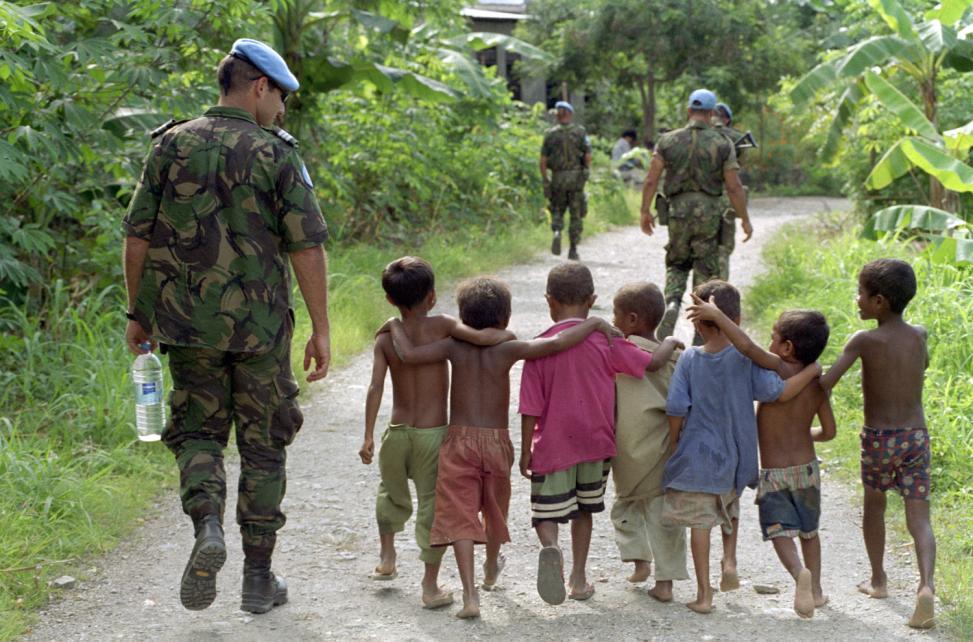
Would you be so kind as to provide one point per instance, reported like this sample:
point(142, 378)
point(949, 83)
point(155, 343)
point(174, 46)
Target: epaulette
point(284, 136)
point(164, 127)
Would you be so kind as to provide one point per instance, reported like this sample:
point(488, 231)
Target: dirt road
point(330, 543)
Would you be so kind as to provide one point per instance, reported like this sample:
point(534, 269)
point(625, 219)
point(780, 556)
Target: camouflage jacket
point(695, 158)
point(221, 202)
point(734, 135)
point(565, 147)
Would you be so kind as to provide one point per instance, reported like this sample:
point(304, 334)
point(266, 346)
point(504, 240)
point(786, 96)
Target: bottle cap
point(145, 345)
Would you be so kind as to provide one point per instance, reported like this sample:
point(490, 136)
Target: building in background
point(502, 16)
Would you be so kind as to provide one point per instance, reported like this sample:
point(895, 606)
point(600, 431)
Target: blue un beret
point(563, 104)
point(723, 107)
point(264, 58)
point(702, 99)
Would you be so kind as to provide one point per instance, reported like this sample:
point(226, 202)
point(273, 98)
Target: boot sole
point(254, 604)
point(198, 588)
point(556, 246)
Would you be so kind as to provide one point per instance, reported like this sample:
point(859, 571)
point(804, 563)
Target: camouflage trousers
point(574, 200)
point(257, 393)
point(694, 233)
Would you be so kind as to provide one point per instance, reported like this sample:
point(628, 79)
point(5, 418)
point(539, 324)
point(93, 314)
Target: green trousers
point(409, 453)
point(694, 234)
point(212, 391)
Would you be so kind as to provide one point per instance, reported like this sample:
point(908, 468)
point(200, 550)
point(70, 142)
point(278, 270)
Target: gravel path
point(330, 543)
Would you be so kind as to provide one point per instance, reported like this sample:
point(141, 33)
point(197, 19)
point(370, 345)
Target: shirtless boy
point(476, 456)
point(789, 490)
point(410, 445)
point(895, 441)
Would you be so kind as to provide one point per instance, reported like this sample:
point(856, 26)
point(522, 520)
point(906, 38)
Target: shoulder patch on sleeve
point(164, 127)
point(285, 136)
point(305, 176)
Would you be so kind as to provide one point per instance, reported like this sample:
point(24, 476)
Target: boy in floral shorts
point(895, 441)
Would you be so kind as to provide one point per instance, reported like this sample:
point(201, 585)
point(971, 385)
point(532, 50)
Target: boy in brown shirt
point(895, 440)
point(476, 456)
point(789, 489)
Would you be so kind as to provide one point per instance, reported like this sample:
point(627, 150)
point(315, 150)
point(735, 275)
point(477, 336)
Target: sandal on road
point(589, 590)
point(550, 575)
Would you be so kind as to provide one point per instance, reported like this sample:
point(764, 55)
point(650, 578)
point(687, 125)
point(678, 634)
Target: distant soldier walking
point(566, 151)
point(698, 161)
point(723, 120)
point(223, 208)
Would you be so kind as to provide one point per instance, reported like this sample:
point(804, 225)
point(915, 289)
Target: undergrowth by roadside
point(75, 479)
point(818, 268)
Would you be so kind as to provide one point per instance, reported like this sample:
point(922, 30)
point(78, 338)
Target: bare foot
point(584, 593)
point(924, 615)
point(804, 595)
point(471, 607)
point(662, 591)
point(437, 599)
point(490, 576)
point(703, 604)
point(874, 589)
point(642, 571)
point(729, 580)
point(820, 600)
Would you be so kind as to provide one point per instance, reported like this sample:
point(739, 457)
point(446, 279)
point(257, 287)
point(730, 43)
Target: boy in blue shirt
point(714, 432)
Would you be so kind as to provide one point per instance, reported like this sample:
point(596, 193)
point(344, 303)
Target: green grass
point(819, 270)
point(74, 477)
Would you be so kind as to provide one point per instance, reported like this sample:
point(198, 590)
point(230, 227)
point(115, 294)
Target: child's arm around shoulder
point(853, 350)
point(800, 381)
point(828, 428)
point(373, 400)
point(429, 353)
point(537, 348)
point(485, 337)
point(663, 354)
point(707, 311)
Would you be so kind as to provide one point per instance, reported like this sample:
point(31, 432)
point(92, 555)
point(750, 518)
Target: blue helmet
point(264, 58)
point(702, 99)
point(563, 104)
point(723, 107)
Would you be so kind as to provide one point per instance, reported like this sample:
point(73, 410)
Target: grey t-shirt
point(717, 448)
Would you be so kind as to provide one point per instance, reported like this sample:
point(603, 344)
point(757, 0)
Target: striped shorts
point(562, 495)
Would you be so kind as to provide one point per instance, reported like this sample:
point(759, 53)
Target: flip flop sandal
point(550, 575)
point(501, 562)
point(589, 591)
point(438, 602)
point(384, 577)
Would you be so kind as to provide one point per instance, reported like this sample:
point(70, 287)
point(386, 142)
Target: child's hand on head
point(702, 310)
point(367, 451)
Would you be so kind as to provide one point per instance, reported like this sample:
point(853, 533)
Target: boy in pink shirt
point(567, 403)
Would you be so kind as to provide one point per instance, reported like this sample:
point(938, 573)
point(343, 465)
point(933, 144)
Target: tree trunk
point(939, 196)
point(648, 107)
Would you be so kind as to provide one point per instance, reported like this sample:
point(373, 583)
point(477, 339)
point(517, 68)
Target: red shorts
point(896, 460)
point(473, 478)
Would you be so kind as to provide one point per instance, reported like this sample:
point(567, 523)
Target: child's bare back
point(419, 390)
point(784, 427)
point(481, 383)
point(894, 360)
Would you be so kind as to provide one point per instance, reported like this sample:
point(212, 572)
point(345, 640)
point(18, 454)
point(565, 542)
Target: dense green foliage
point(819, 271)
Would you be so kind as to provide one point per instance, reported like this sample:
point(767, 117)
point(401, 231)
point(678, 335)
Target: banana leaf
point(949, 249)
point(949, 11)
point(895, 17)
point(481, 40)
point(896, 102)
point(847, 105)
point(960, 139)
point(933, 160)
point(921, 217)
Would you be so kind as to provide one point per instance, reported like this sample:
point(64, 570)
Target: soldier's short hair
point(570, 283)
point(408, 280)
point(483, 303)
point(892, 278)
point(235, 73)
point(644, 299)
point(725, 296)
point(807, 330)
point(630, 133)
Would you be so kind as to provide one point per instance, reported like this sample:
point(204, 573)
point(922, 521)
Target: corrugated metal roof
point(483, 14)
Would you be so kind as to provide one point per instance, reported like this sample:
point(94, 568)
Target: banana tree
point(920, 50)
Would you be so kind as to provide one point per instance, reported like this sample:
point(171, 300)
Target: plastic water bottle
point(150, 414)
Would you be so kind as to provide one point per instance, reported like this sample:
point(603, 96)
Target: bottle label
point(148, 393)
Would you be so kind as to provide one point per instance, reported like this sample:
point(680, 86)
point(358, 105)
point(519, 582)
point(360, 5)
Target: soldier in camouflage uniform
point(723, 121)
point(566, 151)
point(698, 162)
point(223, 207)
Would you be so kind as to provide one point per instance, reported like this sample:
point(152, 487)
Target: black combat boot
point(198, 588)
point(573, 253)
point(556, 243)
point(262, 590)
